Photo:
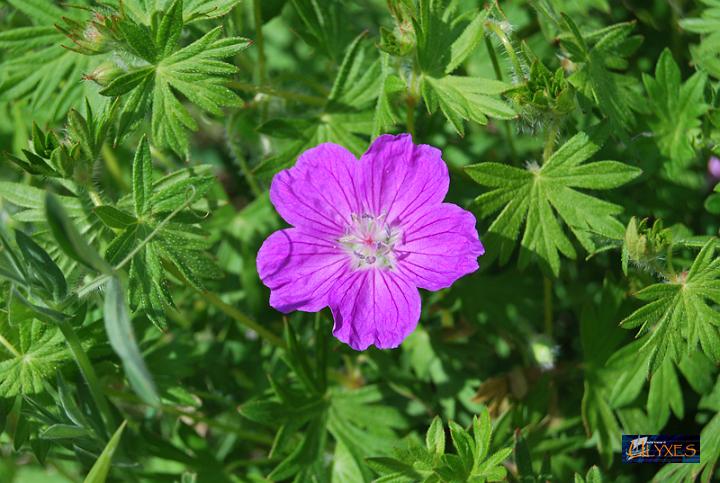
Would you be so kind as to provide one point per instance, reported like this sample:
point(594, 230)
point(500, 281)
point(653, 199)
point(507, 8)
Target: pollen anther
point(370, 241)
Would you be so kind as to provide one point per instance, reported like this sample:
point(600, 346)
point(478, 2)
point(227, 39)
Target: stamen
point(370, 241)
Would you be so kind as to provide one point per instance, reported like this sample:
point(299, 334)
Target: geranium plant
point(332, 241)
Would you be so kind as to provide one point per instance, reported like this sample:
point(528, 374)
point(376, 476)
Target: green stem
point(157, 229)
point(508, 48)
point(271, 91)
point(493, 58)
point(550, 138)
point(499, 76)
point(95, 197)
point(98, 281)
point(199, 418)
point(240, 317)
point(87, 370)
point(259, 41)
point(245, 169)
point(548, 305)
point(236, 464)
point(321, 341)
point(411, 100)
point(410, 118)
point(229, 310)
point(113, 166)
point(92, 285)
point(160, 156)
point(670, 267)
point(11, 348)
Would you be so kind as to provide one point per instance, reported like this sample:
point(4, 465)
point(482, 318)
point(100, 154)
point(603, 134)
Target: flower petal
point(320, 191)
point(440, 244)
point(398, 177)
point(300, 269)
point(374, 307)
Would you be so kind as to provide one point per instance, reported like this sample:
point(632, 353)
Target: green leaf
point(12, 268)
point(595, 54)
point(665, 394)
point(705, 471)
point(627, 385)
point(323, 25)
point(40, 11)
point(197, 72)
point(163, 232)
point(698, 370)
point(139, 40)
point(706, 54)
point(473, 461)
point(29, 355)
point(466, 99)
point(390, 85)
point(141, 11)
point(463, 445)
point(676, 109)
point(171, 25)
point(467, 41)
point(43, 267)
point(393, 467)
point(64, 431)
point(69, 239)
point(542, 197)
point(435, 437)
point(122, 339)
point(482, 434)
point(127, 82)
point(679, 320)
point(712, 204)
point(99, 471)
point(40, 69)
point(593, 476)
point(348, 72)
point(113, 217)
point(142, 177)
point(523, 460)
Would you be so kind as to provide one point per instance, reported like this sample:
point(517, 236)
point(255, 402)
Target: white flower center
point(370, 241)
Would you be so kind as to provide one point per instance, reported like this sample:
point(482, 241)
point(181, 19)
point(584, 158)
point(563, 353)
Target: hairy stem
point(240, 317)
point(517, 66)
point(271, 91)
point(244, 168)
point(232, 312)
point(499, 76)
point(411, 100)
point(113, 166)
point(550, 138)
point(669, 261)
point(197, 417)
point(548, 305)
point(259, 41)
point(157, 229)
point(410, 117)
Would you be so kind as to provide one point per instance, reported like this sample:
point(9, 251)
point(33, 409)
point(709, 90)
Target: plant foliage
point(138, 143)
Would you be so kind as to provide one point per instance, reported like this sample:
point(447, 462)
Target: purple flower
point(366, 235)
point(713, 167)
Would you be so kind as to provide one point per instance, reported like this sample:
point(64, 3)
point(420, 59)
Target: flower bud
point(104, 74)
